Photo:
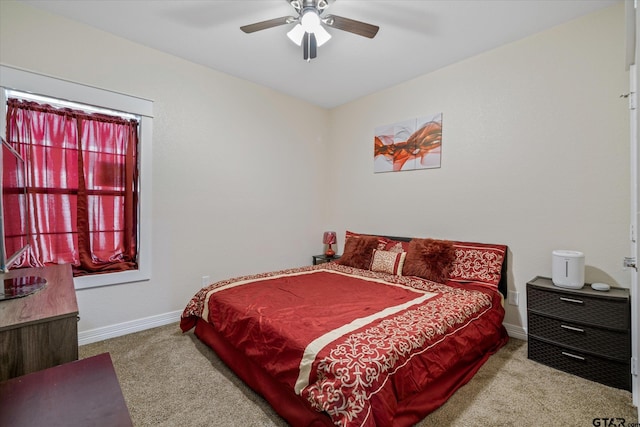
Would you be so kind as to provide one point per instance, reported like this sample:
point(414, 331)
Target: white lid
point(568, 254)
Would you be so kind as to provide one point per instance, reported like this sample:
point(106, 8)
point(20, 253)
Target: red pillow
point(478, 262)
point(358, 252)
point(430, 259)
point(396, 246)
point(382, 241)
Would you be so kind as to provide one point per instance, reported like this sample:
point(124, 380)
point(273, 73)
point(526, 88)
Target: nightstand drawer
point(603, 342)
point(608, 313)
point(604, 371)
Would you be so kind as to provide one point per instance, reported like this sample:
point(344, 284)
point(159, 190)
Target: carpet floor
point(169, 378)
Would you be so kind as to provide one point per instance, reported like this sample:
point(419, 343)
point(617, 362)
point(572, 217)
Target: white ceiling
point(415, 37)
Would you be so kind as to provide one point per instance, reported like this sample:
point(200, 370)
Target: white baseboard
point(515, 331)
point(117, 330)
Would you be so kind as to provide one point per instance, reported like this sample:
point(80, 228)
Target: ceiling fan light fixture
point(296, 34)
point(322, 35)
point(310, 21)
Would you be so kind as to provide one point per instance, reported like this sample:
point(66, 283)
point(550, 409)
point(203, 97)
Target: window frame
point(26, 81)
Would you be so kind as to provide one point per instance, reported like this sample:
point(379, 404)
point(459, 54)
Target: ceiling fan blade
point(351, 25)
point(252, 28)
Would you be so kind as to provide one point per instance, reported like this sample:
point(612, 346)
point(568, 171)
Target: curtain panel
point(82, 186)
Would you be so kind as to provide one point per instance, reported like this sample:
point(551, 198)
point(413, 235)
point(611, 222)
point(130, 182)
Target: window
point(81, 180)
point(113, 231)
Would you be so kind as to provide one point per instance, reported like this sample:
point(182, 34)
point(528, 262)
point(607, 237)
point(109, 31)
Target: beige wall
point(535, 154)
point(238, 170)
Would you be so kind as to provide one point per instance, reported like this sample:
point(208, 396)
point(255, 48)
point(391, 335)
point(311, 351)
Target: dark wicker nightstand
point(321, 259)
point(581, 331)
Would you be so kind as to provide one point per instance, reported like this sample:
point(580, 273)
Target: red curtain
point(82, 186)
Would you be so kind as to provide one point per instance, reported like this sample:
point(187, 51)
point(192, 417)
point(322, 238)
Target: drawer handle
point(571, 328)
point(573, 356)
point(574, 301)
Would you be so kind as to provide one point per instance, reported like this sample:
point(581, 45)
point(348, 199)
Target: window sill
point(108, 279)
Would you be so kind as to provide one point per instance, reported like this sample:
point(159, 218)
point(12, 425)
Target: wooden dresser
point(581, 331)
point(40, 330)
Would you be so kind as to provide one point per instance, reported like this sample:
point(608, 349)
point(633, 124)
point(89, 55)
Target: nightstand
point(581, 331)
point(321, 259)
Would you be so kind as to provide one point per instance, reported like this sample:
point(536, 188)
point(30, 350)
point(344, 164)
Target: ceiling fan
point(309, 31)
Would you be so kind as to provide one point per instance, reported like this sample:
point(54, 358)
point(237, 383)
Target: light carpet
point(171, 379)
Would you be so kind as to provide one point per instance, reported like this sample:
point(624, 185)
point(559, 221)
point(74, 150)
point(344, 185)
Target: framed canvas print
point(408, 145)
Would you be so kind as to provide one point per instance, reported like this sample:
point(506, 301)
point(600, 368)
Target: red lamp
point(329, 238)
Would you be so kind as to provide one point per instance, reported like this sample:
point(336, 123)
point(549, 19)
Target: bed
point(383, 336)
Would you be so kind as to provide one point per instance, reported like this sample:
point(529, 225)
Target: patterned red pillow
point(382, 241)
point(358, 251)
point(387, 262)
point(396, 246)
point(478, 262)
point(430, 259)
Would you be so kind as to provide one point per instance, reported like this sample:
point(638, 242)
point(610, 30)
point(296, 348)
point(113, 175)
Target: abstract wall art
point(408, 145)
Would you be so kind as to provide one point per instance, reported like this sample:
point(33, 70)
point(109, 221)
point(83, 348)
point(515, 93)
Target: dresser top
point(546, 283)
point(56, 300)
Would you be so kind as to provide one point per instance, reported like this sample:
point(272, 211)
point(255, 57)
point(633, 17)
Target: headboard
point(502, 285)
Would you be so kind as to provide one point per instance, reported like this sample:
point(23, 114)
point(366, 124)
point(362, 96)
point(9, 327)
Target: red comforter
point(351, 342)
